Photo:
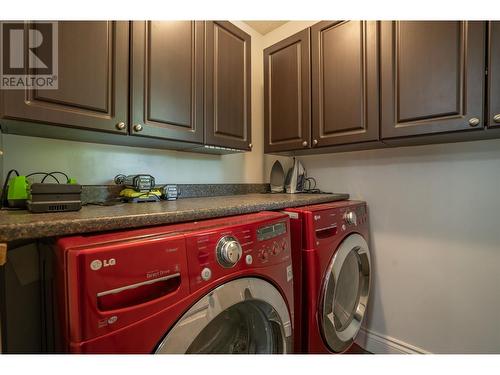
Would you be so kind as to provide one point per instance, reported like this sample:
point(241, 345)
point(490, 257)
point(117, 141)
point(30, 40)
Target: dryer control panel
point(229, 249)
point(328, 222)
point(347, 216)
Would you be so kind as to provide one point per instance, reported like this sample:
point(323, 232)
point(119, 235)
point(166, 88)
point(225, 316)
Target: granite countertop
point(16, 225)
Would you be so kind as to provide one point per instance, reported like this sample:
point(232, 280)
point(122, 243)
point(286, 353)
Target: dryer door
point(345, 293)
point(246, 315)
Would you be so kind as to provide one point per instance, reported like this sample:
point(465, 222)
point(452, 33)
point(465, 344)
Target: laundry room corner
point(433, 221)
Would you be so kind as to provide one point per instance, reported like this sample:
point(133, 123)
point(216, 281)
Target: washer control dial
point(228, 251)
point(350, 218)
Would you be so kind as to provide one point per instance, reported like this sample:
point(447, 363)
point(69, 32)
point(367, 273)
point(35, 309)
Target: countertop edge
point(56, 228)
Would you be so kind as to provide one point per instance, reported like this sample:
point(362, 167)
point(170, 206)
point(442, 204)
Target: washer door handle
point(137, 285)
point(138, 293)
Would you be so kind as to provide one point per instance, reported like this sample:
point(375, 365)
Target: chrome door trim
point(136, 285)
point(190, 325)
point(340, 340)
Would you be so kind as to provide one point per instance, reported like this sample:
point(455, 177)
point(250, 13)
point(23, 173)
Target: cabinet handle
point(315, 142)
point(250, 145)
point(304, 143)
point(474, 122)
point(138, 127)
point(496, 118)
point(121, 125)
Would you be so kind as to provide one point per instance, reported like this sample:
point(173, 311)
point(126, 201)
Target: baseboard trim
point(381, 344)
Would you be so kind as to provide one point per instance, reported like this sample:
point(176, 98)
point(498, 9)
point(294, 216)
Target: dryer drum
point(345, 293)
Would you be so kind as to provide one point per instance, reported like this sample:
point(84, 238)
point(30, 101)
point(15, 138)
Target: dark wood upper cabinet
point(494, 75)
point(228, 86)
point(93, 71)
point(432, 77)
point(188, 83)
point(287, 94)
point(345, 103)
point(167, 80)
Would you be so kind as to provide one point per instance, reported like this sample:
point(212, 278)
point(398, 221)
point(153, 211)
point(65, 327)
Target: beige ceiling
point(264, 27)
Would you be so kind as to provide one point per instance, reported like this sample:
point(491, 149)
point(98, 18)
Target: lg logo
point(97, 264)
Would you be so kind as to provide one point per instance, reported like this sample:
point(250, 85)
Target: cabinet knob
point(496, 118)
point(304, 143)
point(138, 127)
point(315, 142)
point(250, 145)
point(474, 122)
point(121, 125)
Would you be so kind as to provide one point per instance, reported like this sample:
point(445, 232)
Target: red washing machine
point(214, 286)
point(331, 261)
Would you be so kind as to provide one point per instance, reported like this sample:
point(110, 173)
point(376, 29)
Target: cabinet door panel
point(92, 80)
point(344, 82)
point(494, 75)
point(76, 90)
point(287, 94)
point(432, 76)
point(228, 86)
point(167, 79)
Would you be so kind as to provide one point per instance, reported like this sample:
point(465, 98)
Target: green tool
point(18, 192)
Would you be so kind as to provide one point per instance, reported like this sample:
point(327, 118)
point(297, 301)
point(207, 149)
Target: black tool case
point(55, 198)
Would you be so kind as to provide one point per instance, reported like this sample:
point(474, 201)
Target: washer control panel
point(213, 254)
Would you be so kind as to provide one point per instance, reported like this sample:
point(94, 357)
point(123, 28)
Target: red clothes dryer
point(214, 286)
point(331, 261)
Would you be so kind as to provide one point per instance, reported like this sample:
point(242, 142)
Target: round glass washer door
point(345, 293)
point(243, 316)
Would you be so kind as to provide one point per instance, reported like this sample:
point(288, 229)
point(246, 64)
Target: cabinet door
point(92, 80)
point(167, 80)
point(432, 77)
point(344, 82)
point(494, 75)
point(228, 86)
point(287, 94)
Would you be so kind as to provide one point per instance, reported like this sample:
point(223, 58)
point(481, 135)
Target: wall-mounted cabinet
point(287, 94)
point(375, 84)
point(344, 82)
point(166, 94)
point(187, 85)
point(321, 87)
point(432, 77)
point(228, 86)
point(92, 77)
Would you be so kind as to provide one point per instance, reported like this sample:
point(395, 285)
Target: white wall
point(97, 164)
point(435, 239)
